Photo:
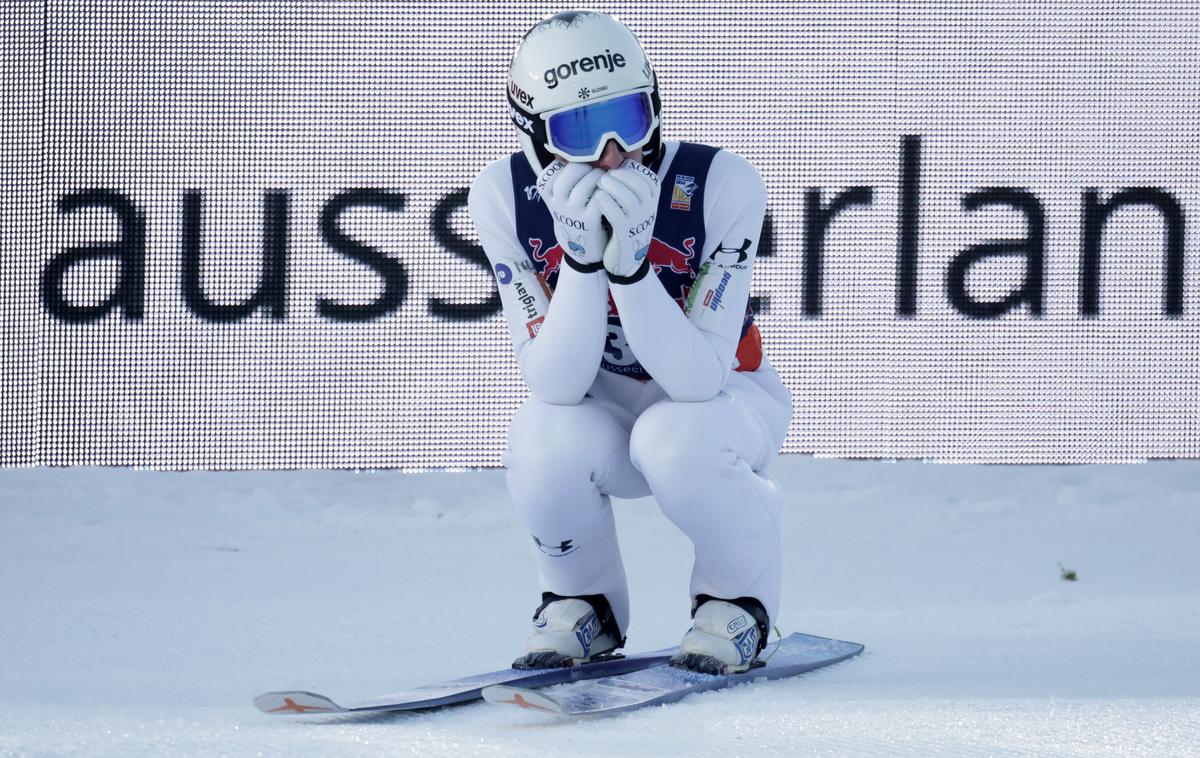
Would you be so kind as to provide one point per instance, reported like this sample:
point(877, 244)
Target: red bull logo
point(550, 258)
point(662, 255)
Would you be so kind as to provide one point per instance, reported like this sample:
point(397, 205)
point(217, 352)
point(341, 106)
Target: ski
point(662, 683)
point(457, 691)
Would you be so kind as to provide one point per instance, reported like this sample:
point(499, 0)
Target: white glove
point(566, 189)
point(628, 196)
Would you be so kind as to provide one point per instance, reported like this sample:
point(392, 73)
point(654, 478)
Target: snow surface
point(141, 611)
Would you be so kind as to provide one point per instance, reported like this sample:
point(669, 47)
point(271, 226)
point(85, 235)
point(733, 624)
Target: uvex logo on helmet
point(520, 119)
point(607, 61)
point(520, 95)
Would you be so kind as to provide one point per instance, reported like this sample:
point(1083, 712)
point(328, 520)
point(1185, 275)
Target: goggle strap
point(536, 122)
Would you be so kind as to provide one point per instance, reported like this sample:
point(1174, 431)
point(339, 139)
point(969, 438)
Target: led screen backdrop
point(235, 233)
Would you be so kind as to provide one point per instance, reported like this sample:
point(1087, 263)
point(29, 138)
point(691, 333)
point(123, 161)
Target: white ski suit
point(675, 400)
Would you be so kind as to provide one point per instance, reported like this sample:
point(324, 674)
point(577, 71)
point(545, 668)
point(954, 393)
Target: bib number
point(616, 349)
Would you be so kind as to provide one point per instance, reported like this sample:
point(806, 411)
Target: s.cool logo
point(550, 172)
point(503, 273)
point(574, 223)
point(643, 227)
point(643, 169)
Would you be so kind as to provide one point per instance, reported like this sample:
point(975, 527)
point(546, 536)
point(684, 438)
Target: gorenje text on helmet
point(607, 60)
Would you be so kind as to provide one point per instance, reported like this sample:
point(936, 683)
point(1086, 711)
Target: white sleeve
point(691, 354)
point(570, 329)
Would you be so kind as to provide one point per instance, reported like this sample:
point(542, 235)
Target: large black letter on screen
point(395, 279)
point(272, 287)
point(129, 250)
point(1095, 216)
point(1033, 247)
point(468, 251)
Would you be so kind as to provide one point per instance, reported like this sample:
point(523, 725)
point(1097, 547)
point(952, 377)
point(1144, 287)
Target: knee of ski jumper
point(677, 447)
point(567, 440)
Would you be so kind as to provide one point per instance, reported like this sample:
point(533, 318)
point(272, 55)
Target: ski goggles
point(580, 132)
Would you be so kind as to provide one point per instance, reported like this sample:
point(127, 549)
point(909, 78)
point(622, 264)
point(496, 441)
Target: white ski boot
point(726, 636)
point(570, 630)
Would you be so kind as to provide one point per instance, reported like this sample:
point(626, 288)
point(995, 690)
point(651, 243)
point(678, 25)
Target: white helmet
point(579, 79)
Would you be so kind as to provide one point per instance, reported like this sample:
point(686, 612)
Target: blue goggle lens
point(578, 131)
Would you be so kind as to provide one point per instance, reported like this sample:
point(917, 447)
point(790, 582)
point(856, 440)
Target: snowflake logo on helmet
point(584, 93)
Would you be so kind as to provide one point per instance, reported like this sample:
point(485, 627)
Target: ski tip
point(522, 698)
point(296, 702)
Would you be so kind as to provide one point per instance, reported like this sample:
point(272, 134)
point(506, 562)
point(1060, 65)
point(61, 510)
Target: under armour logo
point(741, 251)
point(566, 547)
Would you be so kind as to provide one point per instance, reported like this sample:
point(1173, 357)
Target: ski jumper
point(674, 399)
